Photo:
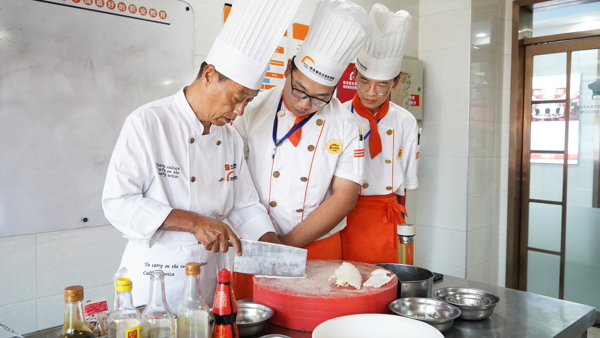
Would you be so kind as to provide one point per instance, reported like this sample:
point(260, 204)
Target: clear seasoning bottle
point(224, 308)
point(193, 319)
point(75, 325)
point(158, 321)
point(125, 320)
point(406, 248)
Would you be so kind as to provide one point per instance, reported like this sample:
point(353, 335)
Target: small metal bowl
point(252, 318)
point(474, 304)
point(438, 314)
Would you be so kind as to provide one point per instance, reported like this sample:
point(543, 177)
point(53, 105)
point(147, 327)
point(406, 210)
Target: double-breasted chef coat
point(395, 168)
point(162, 162)
point(293, 181)
point(370, 235)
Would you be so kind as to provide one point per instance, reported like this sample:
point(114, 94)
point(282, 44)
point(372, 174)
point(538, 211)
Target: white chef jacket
point(162, 162)
point(395, 168)
point(294, 182)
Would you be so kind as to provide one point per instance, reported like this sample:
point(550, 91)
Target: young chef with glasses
point(301, 141)
point(178, 167)
point(391, 143)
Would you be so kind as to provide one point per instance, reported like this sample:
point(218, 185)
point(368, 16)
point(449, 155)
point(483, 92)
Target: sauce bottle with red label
point(224, 308)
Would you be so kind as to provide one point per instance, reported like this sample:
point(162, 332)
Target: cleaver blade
point(270, 259)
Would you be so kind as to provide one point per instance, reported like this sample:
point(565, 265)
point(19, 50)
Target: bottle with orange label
point(125, 319)
point(224, 308)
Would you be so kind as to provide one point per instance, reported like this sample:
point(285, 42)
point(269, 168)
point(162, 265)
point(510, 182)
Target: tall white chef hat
point(381, 57)
point(337, 31)
point(247, 40)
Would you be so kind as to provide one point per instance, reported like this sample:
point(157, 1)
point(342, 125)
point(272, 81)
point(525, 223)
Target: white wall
point(460, 208)
point(37, 267)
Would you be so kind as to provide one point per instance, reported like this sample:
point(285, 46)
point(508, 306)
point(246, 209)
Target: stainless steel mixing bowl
point(437, 313)
point(252, 318)
point(474, 304)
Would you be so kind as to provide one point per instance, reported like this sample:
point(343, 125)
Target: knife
point(270, 259)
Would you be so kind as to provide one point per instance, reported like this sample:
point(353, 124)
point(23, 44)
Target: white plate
point(374, 325)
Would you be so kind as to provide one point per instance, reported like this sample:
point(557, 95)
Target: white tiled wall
point(36, 269)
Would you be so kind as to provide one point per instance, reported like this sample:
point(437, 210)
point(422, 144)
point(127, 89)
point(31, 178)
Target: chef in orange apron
point(301, 141)
point(390, 136)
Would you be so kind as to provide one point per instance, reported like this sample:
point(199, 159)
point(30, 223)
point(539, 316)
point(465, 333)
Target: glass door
point(560, 233)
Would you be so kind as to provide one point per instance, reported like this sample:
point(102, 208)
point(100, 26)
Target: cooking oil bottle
point(75, 325)
point(193, 319)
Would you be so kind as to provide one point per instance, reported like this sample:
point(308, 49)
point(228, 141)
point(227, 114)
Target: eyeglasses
point(302, 95)
point(380, 89)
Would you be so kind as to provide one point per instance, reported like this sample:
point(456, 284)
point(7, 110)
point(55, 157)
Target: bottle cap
point(224, 276)
point(192, 268)
point(407, 229)
point(74, 293)
point(123, 284)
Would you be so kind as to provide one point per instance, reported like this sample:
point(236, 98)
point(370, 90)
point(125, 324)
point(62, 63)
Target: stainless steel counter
point(518, 314)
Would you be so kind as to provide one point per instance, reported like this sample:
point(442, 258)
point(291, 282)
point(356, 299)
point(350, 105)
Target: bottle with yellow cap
point(125, 320)
point(75, 325)
point(193, 319)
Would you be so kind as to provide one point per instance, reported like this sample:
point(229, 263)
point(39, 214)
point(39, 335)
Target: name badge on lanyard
point(276, 142)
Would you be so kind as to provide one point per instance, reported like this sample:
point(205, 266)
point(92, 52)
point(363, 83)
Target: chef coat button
point(388, 161)
point(273, 203)
point(192, 179)
point(277, 142)
point(365, 186)
point(303, 179)
point(221, 179)
point(388, 188)
point(389, 132)
point(191, 140)
point(300, 210)
point(319, 122)
point(220, 215)
point(282, 113)
point(311, 148)
point(218, 143)
point(276, 174)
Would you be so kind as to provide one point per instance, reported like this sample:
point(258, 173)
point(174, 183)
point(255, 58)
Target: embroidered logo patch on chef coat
point(229, 168)
point(400, 151)
point(334, 146)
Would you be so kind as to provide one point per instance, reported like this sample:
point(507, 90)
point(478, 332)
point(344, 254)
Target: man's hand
point(214, 235)
point(270, 237)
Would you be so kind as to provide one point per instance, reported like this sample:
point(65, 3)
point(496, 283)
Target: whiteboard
point(70, 72)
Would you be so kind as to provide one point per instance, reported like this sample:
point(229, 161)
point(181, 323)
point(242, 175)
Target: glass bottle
point(75, 325)
point(125, 320)
point(224, 308)
point(406, 248)
point(193, 320)
point(158, 321)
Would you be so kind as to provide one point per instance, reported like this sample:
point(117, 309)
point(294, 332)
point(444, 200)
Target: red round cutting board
point(303, 303)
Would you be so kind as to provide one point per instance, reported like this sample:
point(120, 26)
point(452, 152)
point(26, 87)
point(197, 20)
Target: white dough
point(378, 279)
point(347, 274)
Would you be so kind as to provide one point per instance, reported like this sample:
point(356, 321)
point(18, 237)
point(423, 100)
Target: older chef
point(301, 141)
point(178, 167)
point(391, 139)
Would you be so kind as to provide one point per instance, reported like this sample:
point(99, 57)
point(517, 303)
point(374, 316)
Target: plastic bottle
point(224, 308)
point(75, 325)
point(193, 319)
point(158, 320)
point(125, 320)
point(406, 249)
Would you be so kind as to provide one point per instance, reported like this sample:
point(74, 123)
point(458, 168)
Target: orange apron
point(327, 248)
point(371, 234)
